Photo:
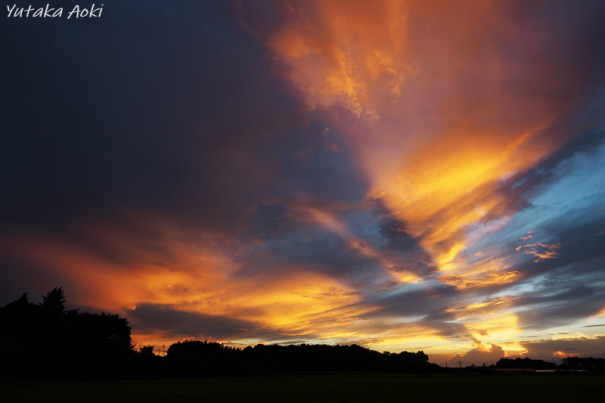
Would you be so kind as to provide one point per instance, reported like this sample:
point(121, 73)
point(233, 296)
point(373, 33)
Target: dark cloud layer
point(175, 323)
point(139, 111)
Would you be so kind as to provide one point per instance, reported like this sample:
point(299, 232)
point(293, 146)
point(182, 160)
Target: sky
point(401, 175)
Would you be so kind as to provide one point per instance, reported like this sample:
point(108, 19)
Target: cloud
point(173, 323)
point(478, 356)
point(550, 350)
point(436, 145)
point(180, 137)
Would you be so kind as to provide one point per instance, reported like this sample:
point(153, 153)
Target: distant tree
point(195, 357)
point(589, 364)
point(146, 350)
point(54, 302)
point(100, 334)
point(524, 363)
point(21, 303)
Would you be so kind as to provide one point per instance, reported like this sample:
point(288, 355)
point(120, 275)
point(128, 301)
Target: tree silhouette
point(47, 340)
point(193, 357)
point(53, 303)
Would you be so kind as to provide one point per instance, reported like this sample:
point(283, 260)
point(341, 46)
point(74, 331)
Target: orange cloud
point(563, 354)
point(194, 275)
point(441, 116)
point(335, 61)
point(540, 250)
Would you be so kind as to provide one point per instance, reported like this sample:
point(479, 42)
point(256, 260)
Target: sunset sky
point(402, 175)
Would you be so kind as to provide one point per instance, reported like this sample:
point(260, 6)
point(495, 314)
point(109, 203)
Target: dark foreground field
point(319, 388)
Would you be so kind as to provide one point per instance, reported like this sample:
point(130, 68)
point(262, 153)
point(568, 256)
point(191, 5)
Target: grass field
point(319, 388)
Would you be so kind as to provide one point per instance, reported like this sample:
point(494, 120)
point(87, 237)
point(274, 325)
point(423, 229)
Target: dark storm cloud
point(177, 323)
point(425, 305)
point(428, 299)
point(317, 161)
point(396, 240)
point(139, 111)
point(158, 114)
point(290, 238)
point(315, 250)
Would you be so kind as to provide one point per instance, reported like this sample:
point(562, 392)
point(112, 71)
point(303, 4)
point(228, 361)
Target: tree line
point(45, 340)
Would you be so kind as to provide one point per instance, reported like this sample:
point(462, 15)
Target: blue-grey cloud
point(174, 323)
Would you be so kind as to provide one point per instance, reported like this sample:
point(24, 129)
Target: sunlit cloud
point(440, 180)
point(477, 356)
point(448, 173)
point(540, 250)
point(345, 69)
point(195, 279)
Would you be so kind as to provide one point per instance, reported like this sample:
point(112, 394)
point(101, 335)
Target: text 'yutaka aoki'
point(77, 11)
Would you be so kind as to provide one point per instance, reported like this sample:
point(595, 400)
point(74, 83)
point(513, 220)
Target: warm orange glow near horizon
point(203, 284)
